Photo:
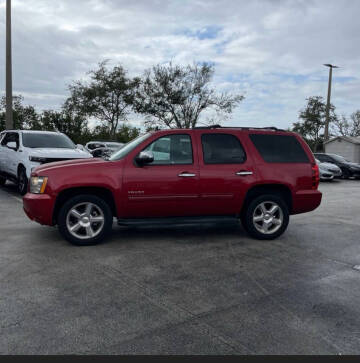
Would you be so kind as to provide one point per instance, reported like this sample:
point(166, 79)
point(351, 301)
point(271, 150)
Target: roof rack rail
point(209, 127)
point(239, 127)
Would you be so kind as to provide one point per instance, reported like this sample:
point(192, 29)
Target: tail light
point(315, 176)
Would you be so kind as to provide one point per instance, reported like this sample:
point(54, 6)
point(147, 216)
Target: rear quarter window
point(279, 148)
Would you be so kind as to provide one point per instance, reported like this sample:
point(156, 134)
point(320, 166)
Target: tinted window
point(338, 158)
point(222, 149)
point(320, 157)
point(171, 149)
point(279, 148)
point(60, 141)
point(10, 137)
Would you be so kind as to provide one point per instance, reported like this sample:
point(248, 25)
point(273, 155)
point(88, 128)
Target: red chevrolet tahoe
point(259, 176)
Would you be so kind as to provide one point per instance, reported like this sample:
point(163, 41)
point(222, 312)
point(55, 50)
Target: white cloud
point(271, 50)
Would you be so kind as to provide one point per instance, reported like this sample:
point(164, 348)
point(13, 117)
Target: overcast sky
point(271, 51)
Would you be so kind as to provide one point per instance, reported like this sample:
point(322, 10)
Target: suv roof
point(272, 128)
point(34, 131)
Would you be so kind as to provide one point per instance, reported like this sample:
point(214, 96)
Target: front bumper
point(39, 208)
point(326, 176)
point(306, 201)
point(337, 173)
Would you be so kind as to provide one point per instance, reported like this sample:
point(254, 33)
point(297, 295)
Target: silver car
point(328, 171)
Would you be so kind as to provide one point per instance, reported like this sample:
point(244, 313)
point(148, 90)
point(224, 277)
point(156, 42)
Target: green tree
point(108, 96)
point(312, 122)
point(73, 125)
point(24, 115)
point(124, 133)
point(346, 127)
point(175, 96)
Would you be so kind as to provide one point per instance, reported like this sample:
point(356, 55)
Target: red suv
point(260, 176)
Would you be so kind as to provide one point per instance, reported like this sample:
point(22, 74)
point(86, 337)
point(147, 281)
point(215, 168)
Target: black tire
point(345, 174)
point(281, 214)
point(22, 181)
point(100, 207)
point(2, 181)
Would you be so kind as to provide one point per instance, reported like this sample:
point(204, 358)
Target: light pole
point(327, 120)
point(9, 98)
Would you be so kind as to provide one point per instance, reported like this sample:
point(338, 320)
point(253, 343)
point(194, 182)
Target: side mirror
point(12, 145)
point(145, 157)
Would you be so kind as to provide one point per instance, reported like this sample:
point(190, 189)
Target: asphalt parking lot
point(184, 290)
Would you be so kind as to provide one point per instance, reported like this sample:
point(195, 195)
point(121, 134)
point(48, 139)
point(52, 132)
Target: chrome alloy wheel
point(268, 217)
point(85, 220)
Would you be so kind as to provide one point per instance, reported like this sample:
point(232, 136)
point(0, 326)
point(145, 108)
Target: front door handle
point(244, 172)
point(186, 175)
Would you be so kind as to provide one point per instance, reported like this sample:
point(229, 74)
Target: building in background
point(347, 147)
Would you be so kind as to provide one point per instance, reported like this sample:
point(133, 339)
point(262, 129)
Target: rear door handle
point(244, 172)
point(186, 175)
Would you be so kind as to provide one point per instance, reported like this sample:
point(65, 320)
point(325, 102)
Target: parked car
point(103, 152)
point(325, 175)
point(348, 168)
point(260, 176)
point(22, 151)
point(328, 171)
point(81, 147)
point(93, 145)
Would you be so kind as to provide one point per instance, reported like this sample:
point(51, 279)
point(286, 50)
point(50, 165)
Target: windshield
point(339, 158)
point(114, 146)
point(130, 146)
point(59, 141)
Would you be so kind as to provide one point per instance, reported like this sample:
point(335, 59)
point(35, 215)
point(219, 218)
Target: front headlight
point(37, 159)
point(38, 184)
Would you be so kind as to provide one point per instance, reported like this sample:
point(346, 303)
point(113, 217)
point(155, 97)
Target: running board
point(175, 220)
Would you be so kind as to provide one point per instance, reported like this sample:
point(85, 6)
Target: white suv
point(21, 151)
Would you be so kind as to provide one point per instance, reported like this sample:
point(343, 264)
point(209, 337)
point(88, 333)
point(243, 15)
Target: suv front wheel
point(266, 217)
point(22, 181)
point(85, 220)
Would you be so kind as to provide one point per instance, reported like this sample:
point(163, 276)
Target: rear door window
point(279, 148)
point(222, 149)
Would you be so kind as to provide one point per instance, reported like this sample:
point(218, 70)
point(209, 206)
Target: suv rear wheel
point(266, 217)
point(85, 220)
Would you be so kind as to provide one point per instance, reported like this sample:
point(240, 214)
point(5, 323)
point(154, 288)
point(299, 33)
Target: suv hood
point(70, 163)
point(58, 153)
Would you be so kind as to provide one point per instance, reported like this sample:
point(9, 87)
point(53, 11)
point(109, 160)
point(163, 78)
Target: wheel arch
point(261, 189)
point(66, 194)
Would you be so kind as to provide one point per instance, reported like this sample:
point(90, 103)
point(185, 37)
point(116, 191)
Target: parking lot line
point(17, 198)
point(10, 190)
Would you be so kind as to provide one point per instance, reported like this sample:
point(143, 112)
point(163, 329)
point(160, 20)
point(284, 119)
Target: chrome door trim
point(244, 172)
